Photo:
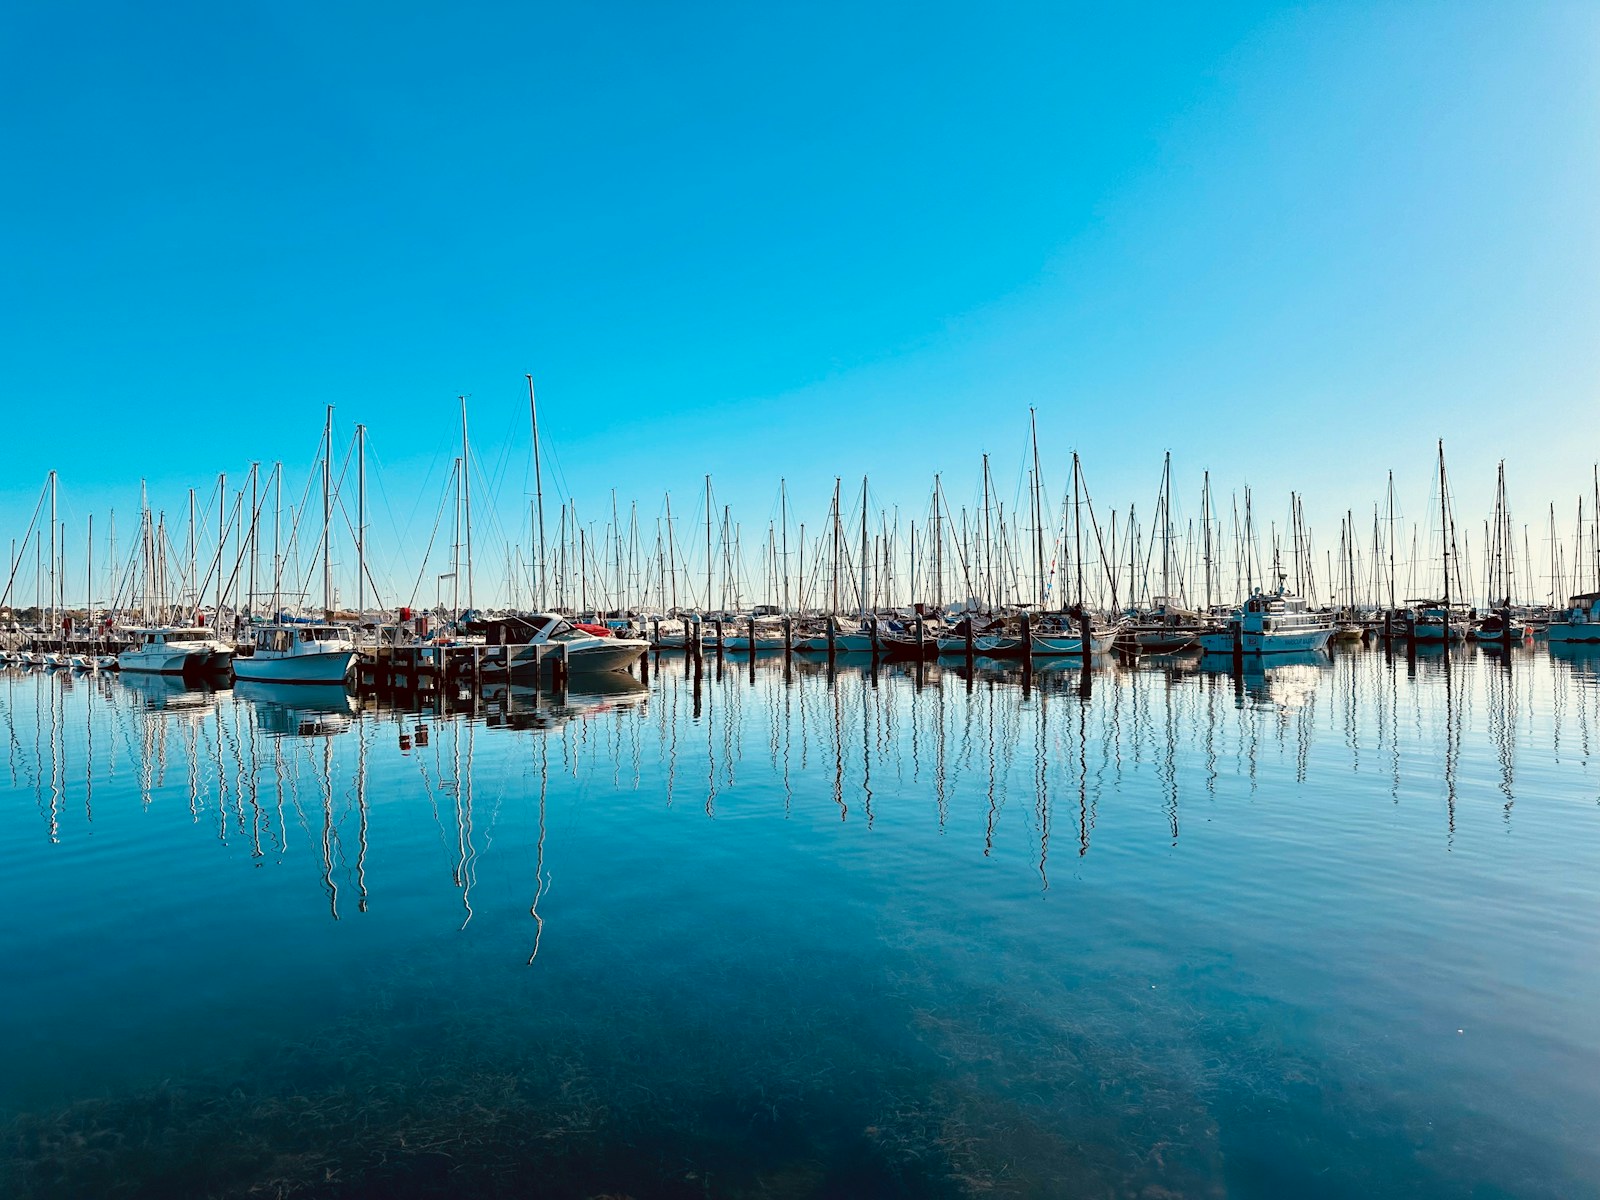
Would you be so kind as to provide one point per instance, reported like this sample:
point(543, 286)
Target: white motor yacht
point(586, 652)
point(1271, 623)
point(293, 653)
point(166, 650)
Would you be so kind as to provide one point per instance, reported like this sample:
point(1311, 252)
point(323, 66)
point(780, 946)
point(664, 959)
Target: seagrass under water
point(1327, 929)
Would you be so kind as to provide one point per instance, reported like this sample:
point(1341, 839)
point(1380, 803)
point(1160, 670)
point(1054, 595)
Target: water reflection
point(260, 759)
point(985, 901)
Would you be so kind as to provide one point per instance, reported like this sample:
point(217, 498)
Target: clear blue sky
point(1292, 244)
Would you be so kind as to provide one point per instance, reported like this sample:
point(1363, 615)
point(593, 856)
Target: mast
point(1038, 512)
point(538, 497)
point(255, 534)
point(1391, 541)
point(672, 562)
point(1444, 538)
point(361, 521)
point(988, 543)
point(1350, 557)
point(783, 517)
point(709, 560)
point(1077, 521)
point(616, 552)
point(1205, 517)
point(837, 532)
point(327, 513)
point(466, 495)
point(862, 597)
point(938, 548)
point(53, 622)
point(88, 573)
point(277, 535)
point(1166, 529)
point(222, 536)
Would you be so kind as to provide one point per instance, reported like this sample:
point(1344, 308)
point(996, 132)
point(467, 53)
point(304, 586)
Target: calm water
point(1329, 930)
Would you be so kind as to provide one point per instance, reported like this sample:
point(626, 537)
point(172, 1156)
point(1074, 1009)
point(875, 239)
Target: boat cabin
point(162, 637)
point(286, 639)
point(1585, 607)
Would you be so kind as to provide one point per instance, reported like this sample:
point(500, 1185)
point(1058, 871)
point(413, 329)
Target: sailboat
point(1167, 626)
point(286, 651)
point(1434, 622)
point(164, 649)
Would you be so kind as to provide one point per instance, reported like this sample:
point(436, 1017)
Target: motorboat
point(1579, 623)
point(1271, 623)
point(528, 641)
point(289, 652)
point(169, 650)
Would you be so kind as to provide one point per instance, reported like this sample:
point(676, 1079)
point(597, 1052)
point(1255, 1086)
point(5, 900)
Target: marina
point(857, 928)
point(829, 602)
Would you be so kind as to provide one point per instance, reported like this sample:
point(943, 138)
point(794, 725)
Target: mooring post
point(833, 636)
point(719, 639)
point(921, 639)
point(1027, 645)
point(752, 624)
point(872, 634)
point(1505, 627)
point(967, 634)
point(788, 636)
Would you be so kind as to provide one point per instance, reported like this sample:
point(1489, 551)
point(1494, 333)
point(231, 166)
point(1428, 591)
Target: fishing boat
point(1271, 623)
point(1579, 623)
point(168, 650)
point(285, 652)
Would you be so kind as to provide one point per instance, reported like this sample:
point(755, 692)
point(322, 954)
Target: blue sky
point(1292, 244)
